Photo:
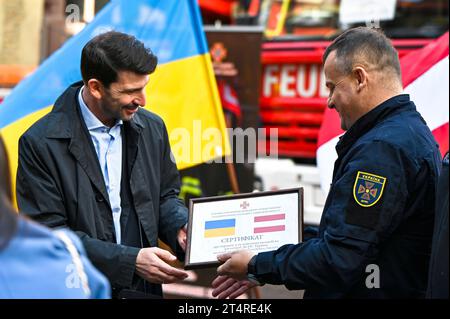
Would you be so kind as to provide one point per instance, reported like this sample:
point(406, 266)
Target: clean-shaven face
point(342, 93)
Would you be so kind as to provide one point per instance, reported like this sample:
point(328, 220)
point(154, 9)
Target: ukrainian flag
point(220, 228)
point(182, 90)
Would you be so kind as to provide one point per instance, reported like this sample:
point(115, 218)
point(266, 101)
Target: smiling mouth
point(131, 107)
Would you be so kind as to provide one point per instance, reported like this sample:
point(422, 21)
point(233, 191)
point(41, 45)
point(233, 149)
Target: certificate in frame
point(259, 222)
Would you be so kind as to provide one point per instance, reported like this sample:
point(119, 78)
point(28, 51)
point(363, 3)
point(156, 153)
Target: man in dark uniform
point(101, 165)
point(375, 234)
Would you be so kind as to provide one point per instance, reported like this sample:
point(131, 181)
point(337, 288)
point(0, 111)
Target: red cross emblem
point(245, 205)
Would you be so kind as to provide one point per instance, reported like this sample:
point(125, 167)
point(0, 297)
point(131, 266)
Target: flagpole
point(231, 169)
point(232, 175)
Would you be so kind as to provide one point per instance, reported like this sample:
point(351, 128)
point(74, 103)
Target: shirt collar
point(92, 122)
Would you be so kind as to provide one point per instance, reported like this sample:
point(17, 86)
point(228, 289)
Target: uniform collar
point(369, 120)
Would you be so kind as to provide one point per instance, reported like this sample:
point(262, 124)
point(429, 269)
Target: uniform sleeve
point(173, 212)
point(40, 197)
point(365, 205)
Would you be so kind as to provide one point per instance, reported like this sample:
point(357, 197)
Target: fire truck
point(292, 90)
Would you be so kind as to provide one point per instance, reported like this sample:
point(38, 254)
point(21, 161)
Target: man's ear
point(95, 88)
point(361, 77)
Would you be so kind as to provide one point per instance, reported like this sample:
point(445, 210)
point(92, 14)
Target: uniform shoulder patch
point(368, 188)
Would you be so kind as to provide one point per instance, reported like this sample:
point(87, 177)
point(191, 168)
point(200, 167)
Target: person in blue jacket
point(375, 234)
point(37, 262)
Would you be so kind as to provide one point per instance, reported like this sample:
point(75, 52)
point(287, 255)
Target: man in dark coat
point(375, 233)
point(101, 165)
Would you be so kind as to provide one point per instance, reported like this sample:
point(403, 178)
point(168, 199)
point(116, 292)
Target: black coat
point(59, 183)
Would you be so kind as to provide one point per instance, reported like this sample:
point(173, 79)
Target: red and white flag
point(425, 74)
point(269, 223)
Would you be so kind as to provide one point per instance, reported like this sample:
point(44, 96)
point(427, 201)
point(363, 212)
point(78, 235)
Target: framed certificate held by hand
point(259, 222)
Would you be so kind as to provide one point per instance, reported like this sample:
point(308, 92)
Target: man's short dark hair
point(364, 44)
point(108, 53)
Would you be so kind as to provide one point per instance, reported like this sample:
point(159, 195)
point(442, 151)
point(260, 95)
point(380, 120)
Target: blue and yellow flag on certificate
point(220, 228)
point(182, 90)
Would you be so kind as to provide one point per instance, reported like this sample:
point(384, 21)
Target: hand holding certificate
point(257, 222)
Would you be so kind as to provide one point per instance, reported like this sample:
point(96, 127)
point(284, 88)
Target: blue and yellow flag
point(220, 228)
point(182, 90)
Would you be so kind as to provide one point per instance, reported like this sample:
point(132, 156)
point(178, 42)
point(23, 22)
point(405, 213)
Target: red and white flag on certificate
point(425, 75)
point(269, 223)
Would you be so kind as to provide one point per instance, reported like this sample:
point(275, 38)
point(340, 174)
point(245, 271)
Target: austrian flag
point(269, 223)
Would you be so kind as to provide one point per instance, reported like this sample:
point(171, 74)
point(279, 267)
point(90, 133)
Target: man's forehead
point(331, 56)
point(329, 66)
point(129, 79)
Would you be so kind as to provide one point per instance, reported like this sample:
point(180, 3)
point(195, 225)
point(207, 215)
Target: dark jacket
point(378, 214)
point(59, 183)
point(438, 278)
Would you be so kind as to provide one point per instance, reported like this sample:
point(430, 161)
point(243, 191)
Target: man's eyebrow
point(132, 89)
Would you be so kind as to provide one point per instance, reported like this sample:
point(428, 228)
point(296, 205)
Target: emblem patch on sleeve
point(368, 188)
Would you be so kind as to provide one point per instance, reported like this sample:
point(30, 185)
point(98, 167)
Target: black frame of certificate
point(189, 265)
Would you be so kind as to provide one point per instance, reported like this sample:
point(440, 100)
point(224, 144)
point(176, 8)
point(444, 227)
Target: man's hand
point(235, 264)
point(227, 287)
point(182, 237)
point(151, 264)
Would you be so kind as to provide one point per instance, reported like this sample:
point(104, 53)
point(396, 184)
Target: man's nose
point(140, 99)
point(330, 104)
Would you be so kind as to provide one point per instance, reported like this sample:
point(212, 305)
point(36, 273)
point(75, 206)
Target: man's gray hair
point(367, 46)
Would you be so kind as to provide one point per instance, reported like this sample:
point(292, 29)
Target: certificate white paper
point(258, 222)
